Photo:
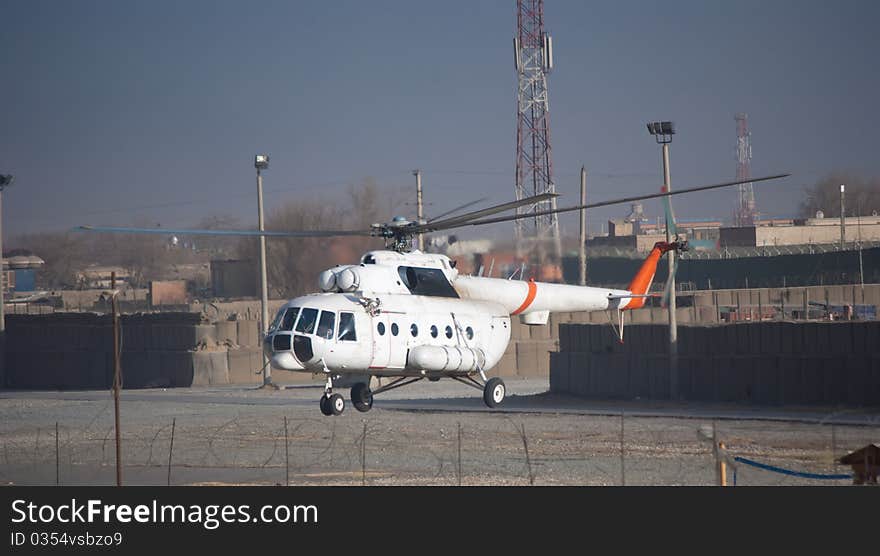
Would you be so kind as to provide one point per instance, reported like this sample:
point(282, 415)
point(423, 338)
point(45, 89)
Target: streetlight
point(663, 132)
point(842, 218)
point(5, 181)
point(261, 162)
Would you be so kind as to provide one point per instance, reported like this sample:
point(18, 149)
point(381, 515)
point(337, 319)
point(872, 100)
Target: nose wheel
point(331, 404)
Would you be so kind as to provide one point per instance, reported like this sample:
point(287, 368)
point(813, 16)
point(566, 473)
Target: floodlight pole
point(673, 323)
point(842, 219)
point(663, 132)
point(261, 162)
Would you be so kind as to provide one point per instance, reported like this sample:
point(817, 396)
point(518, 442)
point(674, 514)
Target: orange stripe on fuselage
point(533, 290)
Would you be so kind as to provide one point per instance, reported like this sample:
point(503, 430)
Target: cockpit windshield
point(307, 321)
point(289, 319)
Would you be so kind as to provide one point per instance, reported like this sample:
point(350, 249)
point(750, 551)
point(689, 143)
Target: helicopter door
point(381, 342)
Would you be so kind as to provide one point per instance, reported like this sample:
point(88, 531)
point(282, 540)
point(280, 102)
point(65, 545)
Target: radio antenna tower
point(746, 212)
point(533, 55)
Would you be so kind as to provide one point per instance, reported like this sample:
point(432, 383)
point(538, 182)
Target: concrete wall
point(791, 363)
point(74, 351)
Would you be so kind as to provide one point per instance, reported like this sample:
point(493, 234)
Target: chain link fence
point(413, 448)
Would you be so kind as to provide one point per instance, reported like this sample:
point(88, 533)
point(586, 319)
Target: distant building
point(711, 234)
point(234, 278)
point(99, 277)
point(807, 231)
point(19, 272)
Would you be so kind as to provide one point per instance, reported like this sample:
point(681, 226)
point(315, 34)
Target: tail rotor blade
point(667, 289)
point(670, 216)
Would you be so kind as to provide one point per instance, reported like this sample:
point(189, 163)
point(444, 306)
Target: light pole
point(663, 132)
point(261, 162)
point(419, 210)
point(5, 181)
point(582, 237)
point(842, 219)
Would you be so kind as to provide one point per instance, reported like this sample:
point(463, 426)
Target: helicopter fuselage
point(411, 314)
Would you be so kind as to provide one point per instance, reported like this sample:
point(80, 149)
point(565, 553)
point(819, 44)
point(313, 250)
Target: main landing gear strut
point(493, 390)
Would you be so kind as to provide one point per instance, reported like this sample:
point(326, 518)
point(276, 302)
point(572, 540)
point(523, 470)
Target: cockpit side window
point(325, 325)
point(307, 321)
point(347, 332)
point(289, 318)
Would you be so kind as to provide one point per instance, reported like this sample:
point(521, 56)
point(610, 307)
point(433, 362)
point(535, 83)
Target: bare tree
point(862, 195)
point(293, 263)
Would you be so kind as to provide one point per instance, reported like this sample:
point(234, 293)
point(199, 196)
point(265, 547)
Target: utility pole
point(582, 239)
point(5, 180)
point(842, 219)
point(419, 208)
point(861, 268)
point(261, 162)
point(117, 377)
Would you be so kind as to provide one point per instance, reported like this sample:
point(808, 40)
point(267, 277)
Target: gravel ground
point(425, 434)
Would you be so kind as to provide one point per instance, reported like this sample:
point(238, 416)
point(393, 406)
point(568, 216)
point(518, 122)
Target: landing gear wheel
point(325, 406)
point(493, 392)
point(362, 397)
point(336, 403)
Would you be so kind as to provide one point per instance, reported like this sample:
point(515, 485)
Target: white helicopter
point(404, 314)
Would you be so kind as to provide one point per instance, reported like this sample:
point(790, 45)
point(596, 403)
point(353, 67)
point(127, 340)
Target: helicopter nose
point(308, 350)
point(277, 348)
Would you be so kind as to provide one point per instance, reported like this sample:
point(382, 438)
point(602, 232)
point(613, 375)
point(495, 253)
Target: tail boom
point(641, 282)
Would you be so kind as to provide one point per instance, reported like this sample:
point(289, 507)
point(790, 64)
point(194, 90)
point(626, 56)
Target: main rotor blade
point(456, 209)
point(465, 219)
point(620, 201)
point(245, 233)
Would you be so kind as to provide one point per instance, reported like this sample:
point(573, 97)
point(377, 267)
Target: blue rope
point(775, 469)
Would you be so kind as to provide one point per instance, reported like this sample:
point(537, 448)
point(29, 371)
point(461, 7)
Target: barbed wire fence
point(392, 449)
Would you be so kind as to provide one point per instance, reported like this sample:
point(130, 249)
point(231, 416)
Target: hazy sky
point(118, 112)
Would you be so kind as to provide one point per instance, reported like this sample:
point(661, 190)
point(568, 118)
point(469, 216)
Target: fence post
point(622, 468)
point(286, 456)
point(833, 443)
point(171, 448)
point(722, 466)
point(528, 459)
point(57, 459)
point(459, 454)
point(364, 456)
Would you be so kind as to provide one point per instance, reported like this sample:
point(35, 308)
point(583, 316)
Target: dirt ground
point(426, 434)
